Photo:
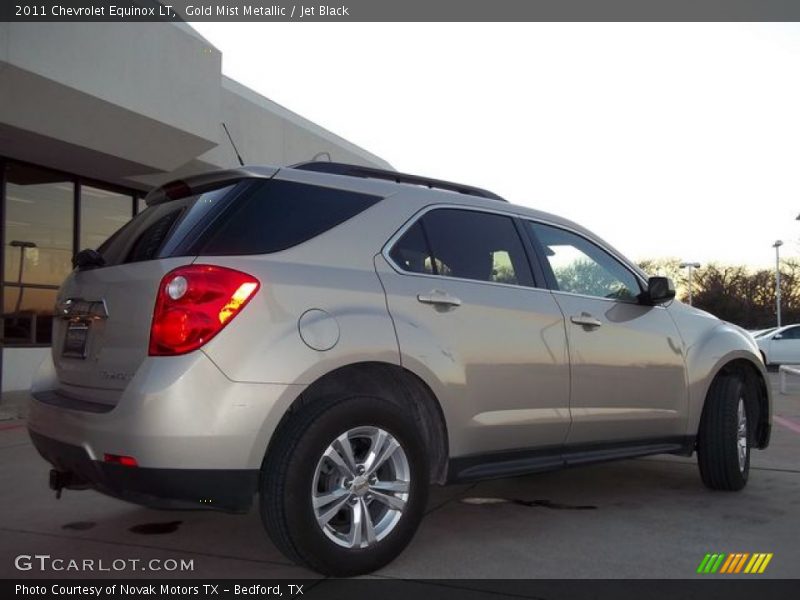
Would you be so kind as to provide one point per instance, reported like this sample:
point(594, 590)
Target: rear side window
point(412, 253)
point(276, 215)
point(793, 333)
point(465, 244)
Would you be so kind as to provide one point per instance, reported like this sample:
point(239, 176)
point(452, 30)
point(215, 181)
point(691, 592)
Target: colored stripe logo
point(736, 562)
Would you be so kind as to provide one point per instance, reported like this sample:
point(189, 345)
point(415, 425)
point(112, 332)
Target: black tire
point(717, 442)
point(288, 474)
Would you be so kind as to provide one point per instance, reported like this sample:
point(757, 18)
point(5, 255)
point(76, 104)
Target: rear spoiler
point(197, 184)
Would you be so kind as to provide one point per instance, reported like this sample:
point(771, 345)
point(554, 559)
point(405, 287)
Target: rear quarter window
point(276, 215)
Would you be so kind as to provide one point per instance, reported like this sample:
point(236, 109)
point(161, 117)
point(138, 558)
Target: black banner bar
point(711, 588)
point(399, 10)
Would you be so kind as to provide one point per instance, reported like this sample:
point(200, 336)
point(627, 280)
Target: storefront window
point(102, 213)
point(38, 227)
point(38, 250)
point(28, 314)
point(40, 233)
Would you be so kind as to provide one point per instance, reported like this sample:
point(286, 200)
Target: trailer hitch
point(60, 480)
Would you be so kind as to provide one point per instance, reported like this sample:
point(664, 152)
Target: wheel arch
point(397, 384)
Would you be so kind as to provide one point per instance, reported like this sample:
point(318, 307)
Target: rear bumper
point(199, 439)
point(230, 490)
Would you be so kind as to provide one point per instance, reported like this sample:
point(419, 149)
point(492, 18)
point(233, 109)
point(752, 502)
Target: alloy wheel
point(741, 435)
point(361, 487)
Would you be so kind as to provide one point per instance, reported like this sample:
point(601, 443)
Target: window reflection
point(38, 227)
point(102, 213)
point(580, 267)
point(39, 230)
point(37, 252)
point(28, 315)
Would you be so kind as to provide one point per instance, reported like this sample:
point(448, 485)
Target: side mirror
point(659, 291)
point(777, 336)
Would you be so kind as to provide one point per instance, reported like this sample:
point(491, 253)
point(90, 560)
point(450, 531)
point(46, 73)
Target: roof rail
point(371, 173)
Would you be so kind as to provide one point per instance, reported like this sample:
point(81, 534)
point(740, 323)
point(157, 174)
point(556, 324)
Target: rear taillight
point(194, 303)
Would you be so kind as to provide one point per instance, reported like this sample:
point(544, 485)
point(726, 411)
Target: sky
point(667, 140)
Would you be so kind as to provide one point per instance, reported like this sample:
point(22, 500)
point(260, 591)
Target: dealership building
point(92, 116)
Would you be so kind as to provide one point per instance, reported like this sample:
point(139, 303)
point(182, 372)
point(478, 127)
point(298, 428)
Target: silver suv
point(331, 339)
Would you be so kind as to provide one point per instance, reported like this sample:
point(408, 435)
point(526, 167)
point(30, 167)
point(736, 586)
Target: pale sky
point(665, 139)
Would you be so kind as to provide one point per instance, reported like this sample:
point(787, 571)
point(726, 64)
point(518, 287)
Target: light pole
point(777, 245)
point(691, 266)
point(23, 246)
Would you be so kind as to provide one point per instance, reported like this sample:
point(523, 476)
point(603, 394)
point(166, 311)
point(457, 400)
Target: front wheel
point(345, 486)
point(725, 436)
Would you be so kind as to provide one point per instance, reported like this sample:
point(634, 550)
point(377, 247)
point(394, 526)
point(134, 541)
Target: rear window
point(249, 217)
point(276, 215)
point(159, 229)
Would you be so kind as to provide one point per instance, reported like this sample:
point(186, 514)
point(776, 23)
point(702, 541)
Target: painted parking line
point(791, 425)
point(10, 427)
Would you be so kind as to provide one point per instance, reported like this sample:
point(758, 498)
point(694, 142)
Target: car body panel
point(500, 358)
point(117, 339)
point(178, 412)
point(628, 374)
point(710, 344)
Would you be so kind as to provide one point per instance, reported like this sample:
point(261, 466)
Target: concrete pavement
point(643, 518)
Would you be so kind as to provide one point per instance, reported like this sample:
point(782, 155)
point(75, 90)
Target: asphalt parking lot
point(641, 518)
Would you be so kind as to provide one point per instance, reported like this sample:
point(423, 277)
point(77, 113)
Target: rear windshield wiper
point(88, 259)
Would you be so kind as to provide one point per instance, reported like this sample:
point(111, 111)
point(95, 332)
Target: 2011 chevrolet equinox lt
point(331, 339)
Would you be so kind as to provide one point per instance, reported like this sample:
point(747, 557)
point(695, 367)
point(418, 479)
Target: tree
point(736, 293)
point(587, 277)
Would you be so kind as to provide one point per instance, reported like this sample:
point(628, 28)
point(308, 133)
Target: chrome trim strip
point(79, 308)
point(615, 300)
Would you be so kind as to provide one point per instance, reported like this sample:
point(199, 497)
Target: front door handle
point(439, 298)
point(586, 320)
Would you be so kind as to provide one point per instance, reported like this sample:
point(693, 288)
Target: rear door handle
point(586, 320)
point(439, 298)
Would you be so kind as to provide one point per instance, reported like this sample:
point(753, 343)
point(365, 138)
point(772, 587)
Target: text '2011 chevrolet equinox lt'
point(331, 339)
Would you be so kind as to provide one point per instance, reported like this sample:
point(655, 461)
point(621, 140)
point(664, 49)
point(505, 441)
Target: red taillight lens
point(194, 303)
point(116, 459)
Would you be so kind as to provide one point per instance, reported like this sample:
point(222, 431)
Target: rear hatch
point(103, 324)
point(104, 312)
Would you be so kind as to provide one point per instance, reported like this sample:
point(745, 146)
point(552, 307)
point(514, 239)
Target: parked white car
point(782, 346)
point(759, 332)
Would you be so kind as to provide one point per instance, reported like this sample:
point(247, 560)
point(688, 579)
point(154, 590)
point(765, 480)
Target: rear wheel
point(345, 486)
point(725, 436)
